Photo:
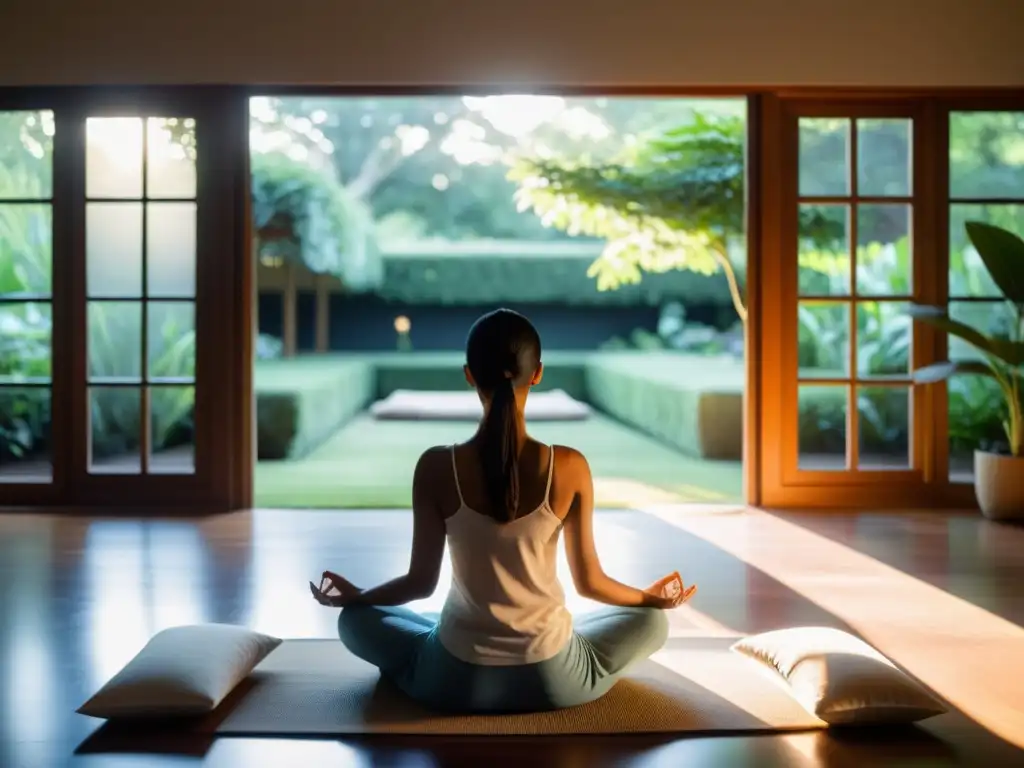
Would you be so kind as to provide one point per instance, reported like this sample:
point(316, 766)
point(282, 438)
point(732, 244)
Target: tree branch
point(734, 288)
point(380, 164)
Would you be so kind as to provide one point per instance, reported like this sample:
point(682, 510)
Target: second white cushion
point(182, 671)
point(841, 679)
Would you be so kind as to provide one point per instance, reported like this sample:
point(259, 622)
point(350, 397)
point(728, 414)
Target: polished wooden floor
point(80, 595)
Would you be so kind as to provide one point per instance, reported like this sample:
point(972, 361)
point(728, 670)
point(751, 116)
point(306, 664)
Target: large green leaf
point(1003, 254)
point(1010, 352)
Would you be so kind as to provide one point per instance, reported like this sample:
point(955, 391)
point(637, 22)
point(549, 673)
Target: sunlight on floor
point(729, 676)
point(967, 655)
point(623, 492)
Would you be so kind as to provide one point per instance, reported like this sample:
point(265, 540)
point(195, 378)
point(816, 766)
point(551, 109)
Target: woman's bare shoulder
point(570, 462)
point(434, 457)
point(433, 484)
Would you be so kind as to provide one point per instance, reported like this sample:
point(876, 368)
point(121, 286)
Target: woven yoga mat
point(316, 688)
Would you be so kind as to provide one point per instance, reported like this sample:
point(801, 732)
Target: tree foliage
point(435, 166)
point(672, 202)
point(330, 231)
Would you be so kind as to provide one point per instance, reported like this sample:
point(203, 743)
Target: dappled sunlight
point(728, 676)
point(142, 578)
point(115, 580)
point(967, 655)
point(281, 603)
point(628, 493)
point(687, 621)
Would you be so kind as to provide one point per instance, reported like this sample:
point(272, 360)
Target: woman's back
point(505, 641)
point(506, 605)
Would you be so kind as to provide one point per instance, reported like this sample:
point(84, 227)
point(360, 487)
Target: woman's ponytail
point(502, 362)
point(499, 451)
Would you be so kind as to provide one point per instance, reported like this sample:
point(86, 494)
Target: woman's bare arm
point(588, 577)
point(427, 542)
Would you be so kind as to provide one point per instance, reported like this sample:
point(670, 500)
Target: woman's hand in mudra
point(334, 591)
point(670, 592)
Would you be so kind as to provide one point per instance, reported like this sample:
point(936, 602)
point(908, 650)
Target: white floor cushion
point(182, 671)
point(840, 678)
point(415, 405)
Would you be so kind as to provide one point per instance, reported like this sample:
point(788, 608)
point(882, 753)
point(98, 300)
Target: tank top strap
point(551, 472)
point(455, 474)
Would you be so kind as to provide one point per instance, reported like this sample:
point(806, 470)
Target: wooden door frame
point(32, 493)
point(761, 157)
point(930, 487)
point(220, 184)
point(950, 494)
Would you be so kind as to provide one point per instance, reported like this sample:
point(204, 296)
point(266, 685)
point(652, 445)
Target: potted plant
point(998, 477)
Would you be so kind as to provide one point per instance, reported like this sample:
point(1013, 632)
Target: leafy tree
point(393, 154)
point(435, 167)
point(672, 202)
point(330, 231)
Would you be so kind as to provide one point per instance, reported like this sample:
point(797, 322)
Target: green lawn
point(369, 463)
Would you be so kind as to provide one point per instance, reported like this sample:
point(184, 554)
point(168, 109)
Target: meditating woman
point(504, 641)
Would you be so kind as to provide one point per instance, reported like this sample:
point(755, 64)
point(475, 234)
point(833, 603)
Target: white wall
point(526, 42)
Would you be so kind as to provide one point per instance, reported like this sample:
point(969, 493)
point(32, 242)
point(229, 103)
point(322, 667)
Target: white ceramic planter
point(999, 485)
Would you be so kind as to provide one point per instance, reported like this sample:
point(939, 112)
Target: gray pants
point(404, 646)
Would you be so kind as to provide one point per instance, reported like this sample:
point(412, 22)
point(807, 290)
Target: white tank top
point(506, 605)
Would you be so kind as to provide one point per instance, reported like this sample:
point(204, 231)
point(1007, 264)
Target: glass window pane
point(986, 155)
point(172, 341)
point(824, 250)
point(968, 275)
point(993, 318)
point(822, 427)
point(884, 336)
point(976, 411)
point(25, 447)
point(113, 249)
point(115, 340)
point(113, 157)
point(883, 421)
point(171, 249)
point(824, 156)
point(26, 155)
point(26, 249)
point(823, 340)
point(884, 157)
point(26, 330)
point(884, 250)
point(171, 157)
point(115, 430)
point(172, 430)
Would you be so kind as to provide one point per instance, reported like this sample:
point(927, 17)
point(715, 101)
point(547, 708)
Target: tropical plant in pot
point(998, 477)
